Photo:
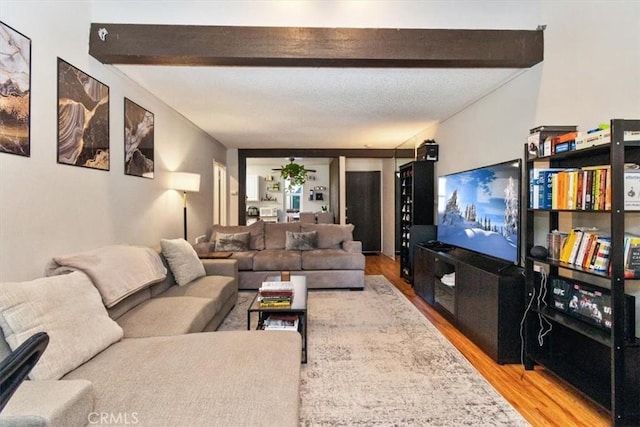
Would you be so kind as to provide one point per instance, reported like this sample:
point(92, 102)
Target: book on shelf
point(539, 139)
point(587, 188)
point(601, 261)
point(564, 142)
point(582, 246)
point(588, 239)
point(576, 246)
point(631, 256)
point(555, 241)
point(540, 187)
point(569, 242)
point(632, 189)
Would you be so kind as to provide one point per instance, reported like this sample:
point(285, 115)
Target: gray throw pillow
point(304, 241)
point(232, 242)
point(183, 260)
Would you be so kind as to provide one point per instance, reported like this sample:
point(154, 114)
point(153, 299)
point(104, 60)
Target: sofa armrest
point(352, 246)
point(221, 267)
point(203, 247)
point(50, 403)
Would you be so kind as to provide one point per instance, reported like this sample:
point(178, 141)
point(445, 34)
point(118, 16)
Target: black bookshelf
point(416, 207)
point(602, 364)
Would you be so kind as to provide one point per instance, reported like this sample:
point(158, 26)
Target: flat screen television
point(479, 210)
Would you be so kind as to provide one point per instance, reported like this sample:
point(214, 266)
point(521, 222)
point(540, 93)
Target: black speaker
point(427, 151)
point(538, 252)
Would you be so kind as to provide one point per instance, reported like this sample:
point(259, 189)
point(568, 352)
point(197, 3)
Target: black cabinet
point(416, 207)
point(481, 296)
point(603, 362)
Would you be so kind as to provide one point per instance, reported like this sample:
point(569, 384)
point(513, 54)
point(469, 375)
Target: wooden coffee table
point(298, 307)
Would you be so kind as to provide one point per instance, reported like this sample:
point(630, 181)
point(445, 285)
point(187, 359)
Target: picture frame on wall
point(138, 140)
point(15, 76)
point(83, 119)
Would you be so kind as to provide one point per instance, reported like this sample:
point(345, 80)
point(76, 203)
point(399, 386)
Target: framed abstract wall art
point(83, 119)
point(15, 92)
point(138, 140)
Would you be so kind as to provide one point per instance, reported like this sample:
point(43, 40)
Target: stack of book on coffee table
point(275, 294)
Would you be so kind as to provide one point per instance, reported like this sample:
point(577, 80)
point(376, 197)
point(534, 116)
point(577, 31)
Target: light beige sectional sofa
point(127, 345)
point(325, 253)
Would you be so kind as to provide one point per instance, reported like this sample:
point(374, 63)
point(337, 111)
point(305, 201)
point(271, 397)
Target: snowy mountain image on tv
point(479, 210)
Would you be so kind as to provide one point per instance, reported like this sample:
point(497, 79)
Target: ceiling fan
point(291, 160)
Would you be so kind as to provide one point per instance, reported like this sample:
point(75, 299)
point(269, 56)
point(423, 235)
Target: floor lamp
point(185, 181)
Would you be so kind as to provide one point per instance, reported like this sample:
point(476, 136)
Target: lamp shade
point(185, 181)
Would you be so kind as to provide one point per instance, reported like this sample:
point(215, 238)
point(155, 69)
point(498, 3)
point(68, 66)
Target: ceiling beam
point(284, 153)
point(194, 45)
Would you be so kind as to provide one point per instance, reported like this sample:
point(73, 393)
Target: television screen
point(479, 210)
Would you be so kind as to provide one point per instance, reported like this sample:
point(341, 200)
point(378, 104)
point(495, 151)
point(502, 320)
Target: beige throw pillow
point(183, 260)
point(68, 308)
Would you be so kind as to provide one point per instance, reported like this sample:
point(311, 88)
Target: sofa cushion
point(217, 288)
point(277, 259)
point(50, 403)
point(128, 303)
point(168, 316)
point(248, 378)
point(163, 285)
point(303, 241)
point(183, 260)
point(68, 308)
point(332, 259)
point(256, 242)
point(232, 242)
point(245, 260)
point(331, 235)
point(117, 271)
point(275, 234)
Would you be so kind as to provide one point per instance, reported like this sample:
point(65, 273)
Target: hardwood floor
point(541, 398)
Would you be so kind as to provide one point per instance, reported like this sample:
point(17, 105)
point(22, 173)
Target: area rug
point(374, 360)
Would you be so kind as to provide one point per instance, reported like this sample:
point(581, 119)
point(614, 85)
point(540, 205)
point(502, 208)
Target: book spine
point(568, 246)
point(602, 259)
point(596, 248)
point(582, 249)
point(576, 247)
point(589, 191)
point(579, 191)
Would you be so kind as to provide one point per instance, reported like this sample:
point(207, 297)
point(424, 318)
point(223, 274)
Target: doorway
point(364, 208)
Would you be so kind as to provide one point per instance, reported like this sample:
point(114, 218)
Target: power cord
point(542, 302)
point(540, 299)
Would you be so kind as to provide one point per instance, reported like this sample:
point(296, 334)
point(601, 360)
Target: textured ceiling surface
point(319, 107)
point(245, 107)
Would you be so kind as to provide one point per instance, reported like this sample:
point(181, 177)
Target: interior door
point(364, 208)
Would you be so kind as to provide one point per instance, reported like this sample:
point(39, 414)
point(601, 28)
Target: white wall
point(590, 74)
point(49, 209)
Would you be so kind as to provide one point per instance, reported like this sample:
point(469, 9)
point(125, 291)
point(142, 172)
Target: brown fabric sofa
point(336, 261)
point(159, 367)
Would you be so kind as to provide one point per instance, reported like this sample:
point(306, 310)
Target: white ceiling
point(245, 107)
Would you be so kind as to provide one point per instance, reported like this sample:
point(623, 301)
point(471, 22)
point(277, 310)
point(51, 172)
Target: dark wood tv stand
point(486, 303)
